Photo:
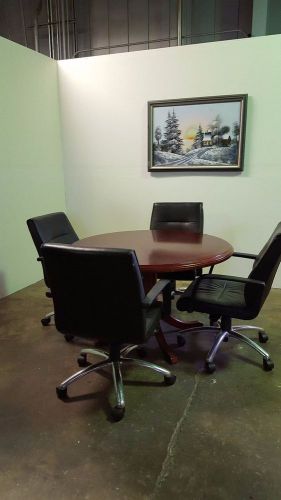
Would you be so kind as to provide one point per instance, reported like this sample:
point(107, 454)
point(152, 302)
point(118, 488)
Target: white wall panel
point(104, 121)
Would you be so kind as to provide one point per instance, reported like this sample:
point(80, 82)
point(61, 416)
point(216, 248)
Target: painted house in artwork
point(226, 140)
point(207, 139)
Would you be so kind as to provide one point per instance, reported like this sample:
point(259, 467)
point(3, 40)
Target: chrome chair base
point(49, 318)
point(119, 410)
point(235, 332)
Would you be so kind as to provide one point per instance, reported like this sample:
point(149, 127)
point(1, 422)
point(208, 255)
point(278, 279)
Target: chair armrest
point(244, 255)
point(159, 287)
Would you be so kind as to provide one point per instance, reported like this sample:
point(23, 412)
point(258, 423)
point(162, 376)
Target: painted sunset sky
point(191, 116)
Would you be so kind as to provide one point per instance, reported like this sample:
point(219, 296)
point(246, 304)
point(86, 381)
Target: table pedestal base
point(149, 279)
point(167, 350)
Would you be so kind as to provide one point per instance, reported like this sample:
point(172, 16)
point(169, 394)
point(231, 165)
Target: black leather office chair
point(50, 228)
point(227, 297)
point(188, 216)
point(98, 293)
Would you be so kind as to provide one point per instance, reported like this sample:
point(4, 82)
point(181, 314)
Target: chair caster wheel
point(82, 360)
point(210, 367)
point(180, 341)
point(263, 337)
point(45, 321)
point(61, 393)
point(118, 413)
point(268, 365)
point(170, 380)
point(68, 338)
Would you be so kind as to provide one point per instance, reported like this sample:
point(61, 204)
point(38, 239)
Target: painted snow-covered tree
point(158, 135)
point(218, 131)
point(172, 141)
point(214, 128)
point(215, 125)
point(235, 132)
point(164, 143)
point(198, 139)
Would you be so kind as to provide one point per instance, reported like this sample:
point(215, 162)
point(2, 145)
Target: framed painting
point(200, 134)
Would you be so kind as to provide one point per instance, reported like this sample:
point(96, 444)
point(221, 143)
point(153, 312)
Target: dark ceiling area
point(64, 29)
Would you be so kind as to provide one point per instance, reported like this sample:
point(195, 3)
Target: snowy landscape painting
point(205, 133)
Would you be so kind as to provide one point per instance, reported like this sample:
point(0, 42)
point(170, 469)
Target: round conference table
point(165, 251)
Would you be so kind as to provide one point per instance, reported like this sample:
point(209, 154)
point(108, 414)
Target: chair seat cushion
point(218, 297)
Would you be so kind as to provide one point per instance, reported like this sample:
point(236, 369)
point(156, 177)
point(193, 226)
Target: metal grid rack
point(66, 29)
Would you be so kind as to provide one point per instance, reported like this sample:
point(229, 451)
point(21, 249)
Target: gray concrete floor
point(206, 437)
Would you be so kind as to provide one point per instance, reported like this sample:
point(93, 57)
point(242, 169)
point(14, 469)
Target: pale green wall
point(31, 176)
point(104, 122)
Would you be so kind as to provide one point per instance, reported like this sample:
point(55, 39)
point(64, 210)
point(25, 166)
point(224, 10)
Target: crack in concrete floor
point(168, 460)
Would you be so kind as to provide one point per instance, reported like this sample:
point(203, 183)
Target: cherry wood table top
point(165, 250)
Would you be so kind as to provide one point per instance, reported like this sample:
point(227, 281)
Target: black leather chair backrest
point(266, 265)
point(54, 228)
point(51, 228)
point(93, 289)
point(170, 215)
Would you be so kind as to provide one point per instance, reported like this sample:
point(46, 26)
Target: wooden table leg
point(168, 352)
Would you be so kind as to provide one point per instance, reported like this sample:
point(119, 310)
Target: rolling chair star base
point(48, 319)
point(115, 359)
point(222, 335)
